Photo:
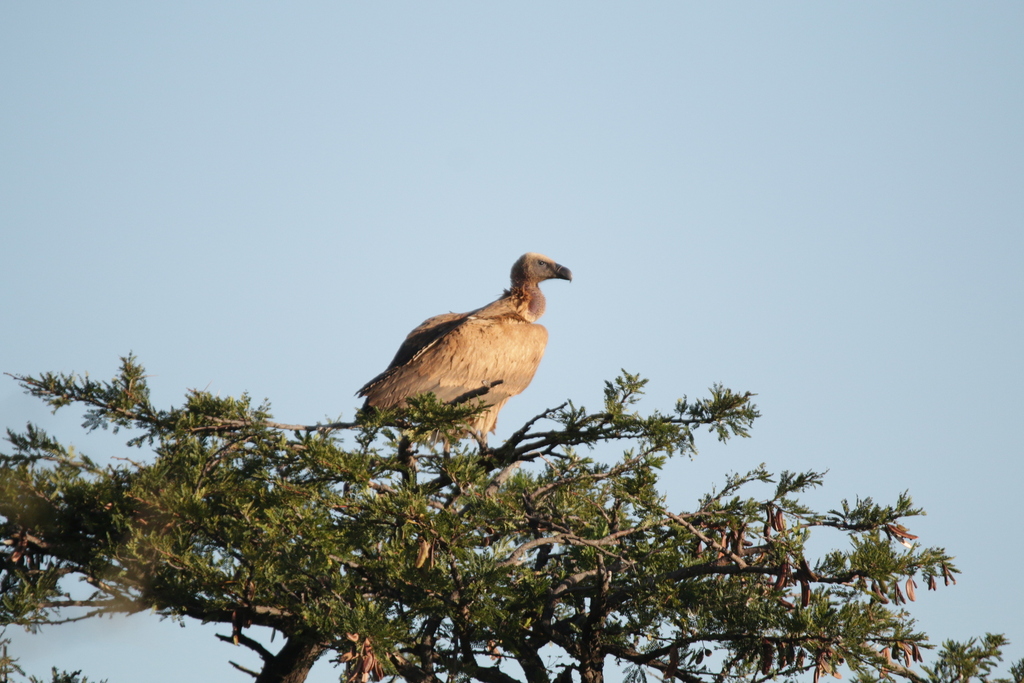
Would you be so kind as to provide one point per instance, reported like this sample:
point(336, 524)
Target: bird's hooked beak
point(561, 272)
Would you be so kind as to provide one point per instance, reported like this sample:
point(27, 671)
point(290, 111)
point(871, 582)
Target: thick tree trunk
point(591, 669)
point(292, 663)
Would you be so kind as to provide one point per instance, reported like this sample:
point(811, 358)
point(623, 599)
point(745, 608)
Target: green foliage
point(63, 677)
point(8, 665)
point(972, 660)
point(403, 548)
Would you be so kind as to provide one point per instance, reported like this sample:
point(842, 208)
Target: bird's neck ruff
point(528, 301)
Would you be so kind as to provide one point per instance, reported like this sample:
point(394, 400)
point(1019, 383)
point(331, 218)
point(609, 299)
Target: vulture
point(491, 353)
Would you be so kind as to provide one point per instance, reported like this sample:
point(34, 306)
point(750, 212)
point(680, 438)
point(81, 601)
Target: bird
point(491, 352)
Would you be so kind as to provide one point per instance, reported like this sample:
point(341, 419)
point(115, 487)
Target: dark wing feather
point(428, 332)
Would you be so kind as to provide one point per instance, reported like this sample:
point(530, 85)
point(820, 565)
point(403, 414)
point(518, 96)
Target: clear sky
point(822, 203)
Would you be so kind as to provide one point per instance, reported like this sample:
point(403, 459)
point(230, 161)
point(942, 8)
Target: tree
point(401, 549)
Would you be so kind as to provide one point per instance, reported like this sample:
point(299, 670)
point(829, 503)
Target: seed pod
point(779, 521)
point(805, 593)
point(806, 569)
point(823, 665)
point(911, 589)
point(783, 576)
point(426, 550)
point(948, 575)
point(767, 656)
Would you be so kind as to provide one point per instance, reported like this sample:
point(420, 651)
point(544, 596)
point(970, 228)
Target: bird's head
point(531, 268)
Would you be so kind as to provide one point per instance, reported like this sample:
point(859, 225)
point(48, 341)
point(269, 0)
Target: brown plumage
point(491, 353)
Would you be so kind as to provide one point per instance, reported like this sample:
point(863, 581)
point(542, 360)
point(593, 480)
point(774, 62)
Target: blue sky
point(818, 202)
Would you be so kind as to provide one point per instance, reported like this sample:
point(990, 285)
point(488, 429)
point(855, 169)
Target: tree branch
point(242, 639)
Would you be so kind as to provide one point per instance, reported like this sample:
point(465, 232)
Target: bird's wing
point(428, 332)
point(423, 337)
point(483, 350)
